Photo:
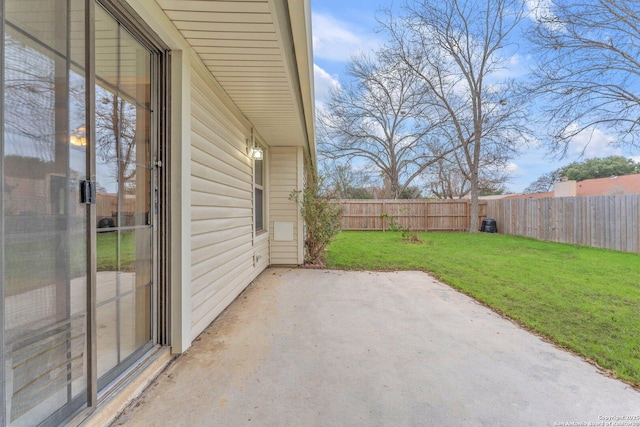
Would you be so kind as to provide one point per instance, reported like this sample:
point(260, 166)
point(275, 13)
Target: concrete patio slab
point(307, 347)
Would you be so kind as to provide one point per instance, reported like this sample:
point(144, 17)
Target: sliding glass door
point(78, 209)
point(44, 225)
point(124, 196)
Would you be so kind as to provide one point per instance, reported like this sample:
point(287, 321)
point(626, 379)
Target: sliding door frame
point(92, 238)
point(160, 185)
point(3, 402)
point(159, 192)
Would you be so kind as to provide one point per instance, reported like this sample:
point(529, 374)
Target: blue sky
point(342, 28)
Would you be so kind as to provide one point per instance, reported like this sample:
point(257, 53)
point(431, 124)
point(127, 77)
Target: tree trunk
point(474, 225)
point(394, 186)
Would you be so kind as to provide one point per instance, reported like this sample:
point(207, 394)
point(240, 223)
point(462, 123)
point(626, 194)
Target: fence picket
point(426, 215)
point(603, 221)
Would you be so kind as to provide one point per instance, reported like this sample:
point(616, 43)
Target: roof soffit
point(248, 47)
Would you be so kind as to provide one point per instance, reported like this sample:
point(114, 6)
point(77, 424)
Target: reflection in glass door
point(51, 362)
point(44, 225)
point(124, 197)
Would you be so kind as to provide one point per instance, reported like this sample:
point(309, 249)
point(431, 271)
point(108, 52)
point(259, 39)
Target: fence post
point(384, 216)
point(426, 215)
point(468, 212)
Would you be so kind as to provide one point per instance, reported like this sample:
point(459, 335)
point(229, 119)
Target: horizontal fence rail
point(418, 215)
point(601, 221)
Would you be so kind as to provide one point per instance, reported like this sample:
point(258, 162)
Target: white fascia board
point(300, 15)
point(293, 20)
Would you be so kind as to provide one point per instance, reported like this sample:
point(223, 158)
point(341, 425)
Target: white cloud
point(338, 41)
point(513, 168)
point(514, 66)
point(542, 11)
point(592, 142)
point(539, 8)
point(324, 82)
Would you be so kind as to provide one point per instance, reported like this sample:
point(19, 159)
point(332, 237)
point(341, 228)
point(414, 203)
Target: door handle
point(87, 192)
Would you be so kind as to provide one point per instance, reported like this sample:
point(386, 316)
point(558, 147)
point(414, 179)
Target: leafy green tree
point(410, 192)
point(600, 168)
point(356, 193)
point(588, 169)
point(492, 190)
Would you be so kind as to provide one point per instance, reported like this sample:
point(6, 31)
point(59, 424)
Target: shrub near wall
point(321, 216)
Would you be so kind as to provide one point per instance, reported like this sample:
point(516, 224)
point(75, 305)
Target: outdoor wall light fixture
point(256, 153)
point(253, 151)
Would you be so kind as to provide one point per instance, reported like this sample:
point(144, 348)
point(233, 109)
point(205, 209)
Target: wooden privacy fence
point(600, 221)
point(426, 215)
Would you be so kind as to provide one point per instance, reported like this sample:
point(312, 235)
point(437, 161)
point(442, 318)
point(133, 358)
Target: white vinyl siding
point(223, 255)
point(285, 165)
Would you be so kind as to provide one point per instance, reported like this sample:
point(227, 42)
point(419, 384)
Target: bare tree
point(444, 180)
point(455, 47)
point(589, 68)
point(32, 89)
point(344, 181)
point(117, 139)
point(544, 183)
point(586, 169)
point(380, 115)
point(449, 179)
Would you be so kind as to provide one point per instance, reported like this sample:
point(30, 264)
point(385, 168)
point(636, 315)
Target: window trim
point(262, 187)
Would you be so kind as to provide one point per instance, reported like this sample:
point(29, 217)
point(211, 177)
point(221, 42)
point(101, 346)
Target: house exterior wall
point(286, 175)
point(215, 251)
point(207, 229)
point(223, 248)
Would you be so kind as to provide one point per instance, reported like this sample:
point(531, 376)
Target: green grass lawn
point(32, 264)
point(107, 255)
point(585, 299)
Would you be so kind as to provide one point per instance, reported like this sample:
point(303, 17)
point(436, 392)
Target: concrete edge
point(126, 389)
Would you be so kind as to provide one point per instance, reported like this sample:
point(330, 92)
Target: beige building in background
point(624, 184)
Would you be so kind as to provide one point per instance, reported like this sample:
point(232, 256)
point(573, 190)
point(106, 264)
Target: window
point(258, 169)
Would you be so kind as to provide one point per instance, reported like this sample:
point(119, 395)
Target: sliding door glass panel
point(135, 70)
point(107, 49)
point(107, 336)
point(135, 325)
point(44, 158)
point(123, 169)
